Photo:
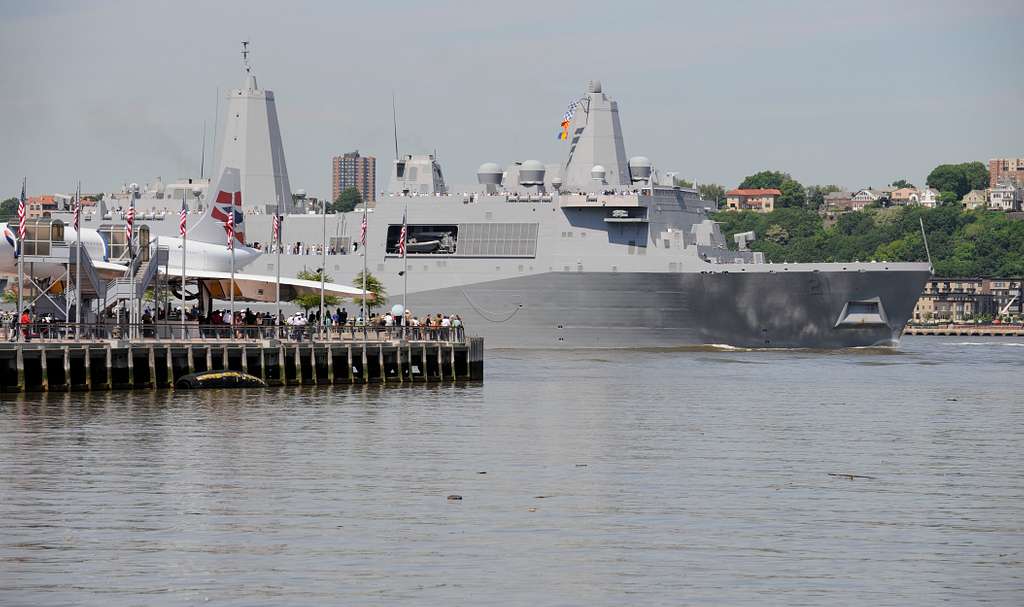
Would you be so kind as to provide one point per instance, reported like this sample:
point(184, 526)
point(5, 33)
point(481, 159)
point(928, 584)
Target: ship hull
point(798, 309)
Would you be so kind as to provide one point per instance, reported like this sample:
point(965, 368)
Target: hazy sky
point(853, 93)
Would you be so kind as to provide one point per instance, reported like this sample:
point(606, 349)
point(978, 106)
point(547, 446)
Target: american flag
point(231, 228)
point(277, 229)
point(183, 218)
point(129, 219)
point(362, 231)
point(401, 236)
point(21, 216)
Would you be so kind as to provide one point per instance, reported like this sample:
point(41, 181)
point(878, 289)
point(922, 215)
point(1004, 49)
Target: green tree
point(374, 288)
point(793, 194)
point(901, 183)
point(816, 194)
point(948, 198)
point(711, 191)
point(309, 301)
point(8, 209)
point(347, 200)
point(959, 178)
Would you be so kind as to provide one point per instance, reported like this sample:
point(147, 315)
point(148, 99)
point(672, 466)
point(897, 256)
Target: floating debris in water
point(850, 476)
point(454, 498)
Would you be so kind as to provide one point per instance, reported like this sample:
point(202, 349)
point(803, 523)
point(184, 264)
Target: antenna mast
point(245, 56)
point(394, 121)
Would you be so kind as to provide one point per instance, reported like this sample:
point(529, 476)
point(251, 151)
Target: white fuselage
point(205, 256)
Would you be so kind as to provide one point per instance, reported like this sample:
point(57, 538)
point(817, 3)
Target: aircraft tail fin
point(223, 197)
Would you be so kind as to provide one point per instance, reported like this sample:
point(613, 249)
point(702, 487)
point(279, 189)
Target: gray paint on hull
point(639, 309)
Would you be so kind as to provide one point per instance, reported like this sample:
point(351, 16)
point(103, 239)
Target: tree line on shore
point(962, 243)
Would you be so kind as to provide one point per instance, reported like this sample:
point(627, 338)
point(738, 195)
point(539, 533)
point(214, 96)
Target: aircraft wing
point(261, 287)
point(109, 271)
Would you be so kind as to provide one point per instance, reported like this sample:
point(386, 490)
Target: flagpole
point(366, 229)
point(277, 297)
point(184, 243)
point(78, 262)
point(232, 279)
point(323, 269)
point(405, 258)
point(21, 249)
point(131, 258)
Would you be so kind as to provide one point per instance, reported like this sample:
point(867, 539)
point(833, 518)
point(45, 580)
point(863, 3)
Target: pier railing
point(194, 332)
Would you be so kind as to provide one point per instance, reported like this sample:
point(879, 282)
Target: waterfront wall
point(116, 365)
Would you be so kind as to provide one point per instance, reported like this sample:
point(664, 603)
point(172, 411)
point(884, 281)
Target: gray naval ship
point(598, 251)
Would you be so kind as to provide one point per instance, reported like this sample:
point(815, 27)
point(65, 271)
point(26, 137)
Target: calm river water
point(588, 478)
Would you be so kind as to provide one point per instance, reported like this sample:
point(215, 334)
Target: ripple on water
point(620, 477)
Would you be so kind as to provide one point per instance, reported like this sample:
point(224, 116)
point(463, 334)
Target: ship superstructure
point(600, 250)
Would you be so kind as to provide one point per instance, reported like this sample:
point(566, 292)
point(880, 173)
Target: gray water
point(588, 478)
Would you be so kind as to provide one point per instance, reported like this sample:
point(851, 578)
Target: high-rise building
point(354, 171)
point(1006, 170)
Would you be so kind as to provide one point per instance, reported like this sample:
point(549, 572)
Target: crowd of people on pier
point(247, 323)
point(299, 248)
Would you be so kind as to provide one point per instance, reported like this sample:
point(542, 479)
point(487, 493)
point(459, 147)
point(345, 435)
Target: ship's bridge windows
point(400, 169)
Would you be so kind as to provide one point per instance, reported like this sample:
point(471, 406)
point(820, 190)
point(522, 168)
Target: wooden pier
point(152, 364)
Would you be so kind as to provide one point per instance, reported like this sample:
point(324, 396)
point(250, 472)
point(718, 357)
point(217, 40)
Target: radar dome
point(556, 183)
point(531, 172)
point(489, 173)
point(639, 168)
point(597, 172)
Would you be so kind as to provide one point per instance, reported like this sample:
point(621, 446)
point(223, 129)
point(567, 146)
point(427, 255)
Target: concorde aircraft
point(208, 259)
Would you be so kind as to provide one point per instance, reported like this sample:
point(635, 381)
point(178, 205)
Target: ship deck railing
point(193, 332)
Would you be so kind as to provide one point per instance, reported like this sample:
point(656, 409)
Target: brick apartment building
point(1009, 170)
point(354, 171)
point(961, 299)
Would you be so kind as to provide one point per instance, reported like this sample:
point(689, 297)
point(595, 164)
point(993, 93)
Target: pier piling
point(102, 365)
